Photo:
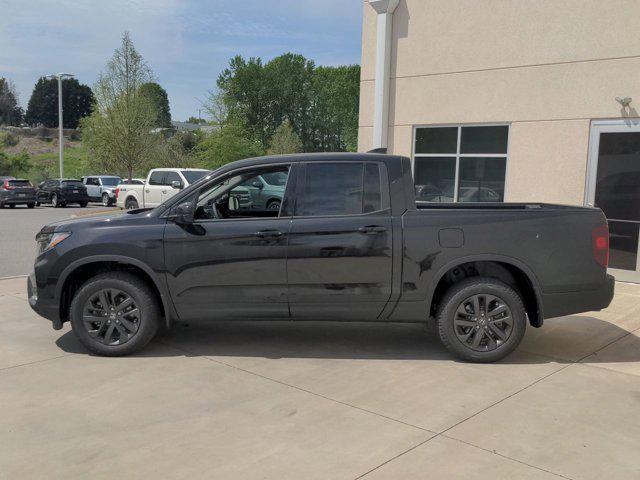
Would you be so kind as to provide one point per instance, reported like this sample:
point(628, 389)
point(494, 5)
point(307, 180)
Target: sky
point(187, 43)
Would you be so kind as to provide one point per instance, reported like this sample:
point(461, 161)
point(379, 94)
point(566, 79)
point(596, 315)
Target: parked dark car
point(349, 243)
point(17, 192)
point(62, 192)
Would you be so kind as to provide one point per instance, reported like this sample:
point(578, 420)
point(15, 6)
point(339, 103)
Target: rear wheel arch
point(508, 270)
point(79, 272)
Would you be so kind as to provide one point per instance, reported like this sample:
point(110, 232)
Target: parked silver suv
point(102, 188)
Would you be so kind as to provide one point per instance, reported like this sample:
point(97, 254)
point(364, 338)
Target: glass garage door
point(614, 186)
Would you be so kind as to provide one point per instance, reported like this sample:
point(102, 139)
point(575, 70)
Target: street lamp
point(60, 76)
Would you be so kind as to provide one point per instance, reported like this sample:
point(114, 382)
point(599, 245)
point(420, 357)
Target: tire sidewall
point(465, 289)
point(144, 300)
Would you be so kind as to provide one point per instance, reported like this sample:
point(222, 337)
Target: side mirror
point(183, 214)
point(257, 184)
point(177, 184)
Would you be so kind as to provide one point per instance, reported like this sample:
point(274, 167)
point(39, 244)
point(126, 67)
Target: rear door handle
point(268, 233)
point(147, 191)
point(372, 229)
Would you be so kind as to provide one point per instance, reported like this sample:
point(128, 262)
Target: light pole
point(60, 76)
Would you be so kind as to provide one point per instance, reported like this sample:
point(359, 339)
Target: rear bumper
point(568, 303)
point(18, 200)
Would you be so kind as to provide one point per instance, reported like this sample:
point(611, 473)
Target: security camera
point(625, 101)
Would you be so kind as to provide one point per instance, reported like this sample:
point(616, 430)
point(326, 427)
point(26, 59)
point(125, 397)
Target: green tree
point(14, 165)
point(336, 93)
point(284, 140)
point(160, 100)
point(196, 120)
point(118, 132)
point(10, 110)
point(321, 103)
point(230, 143)
point(77, 101)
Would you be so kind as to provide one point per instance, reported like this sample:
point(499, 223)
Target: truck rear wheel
point(131, 204)
point(115, 314)
point(481, 319)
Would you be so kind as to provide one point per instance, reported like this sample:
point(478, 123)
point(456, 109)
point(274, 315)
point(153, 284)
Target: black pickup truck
point(349, 243)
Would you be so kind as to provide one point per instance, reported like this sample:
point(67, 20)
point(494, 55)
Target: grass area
point(47, 164)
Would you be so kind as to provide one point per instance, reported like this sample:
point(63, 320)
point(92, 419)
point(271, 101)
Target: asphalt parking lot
point(268, 400)
point(18, 228)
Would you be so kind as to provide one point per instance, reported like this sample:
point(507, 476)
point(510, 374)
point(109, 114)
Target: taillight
point(600, 241)
point(117, 191)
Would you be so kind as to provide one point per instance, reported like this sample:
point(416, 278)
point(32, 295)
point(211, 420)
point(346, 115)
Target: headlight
point(46, 241)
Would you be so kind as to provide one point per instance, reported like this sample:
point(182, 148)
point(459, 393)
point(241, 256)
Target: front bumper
point(47, 309)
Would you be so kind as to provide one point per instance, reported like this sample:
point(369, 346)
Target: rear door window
point(157, 178)
point(342, 189)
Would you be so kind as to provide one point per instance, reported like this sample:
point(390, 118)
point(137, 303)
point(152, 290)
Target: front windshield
point(193, 176)
point(111, 181)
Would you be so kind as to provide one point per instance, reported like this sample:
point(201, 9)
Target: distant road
point(18, 228)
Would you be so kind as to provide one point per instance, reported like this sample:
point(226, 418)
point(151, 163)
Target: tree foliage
point(231, 142)
point(118, 132)
point(284, 140)
point(10, 110)
point(14, 165)
point(321, 103)
point(77, 101)
point(160, 100)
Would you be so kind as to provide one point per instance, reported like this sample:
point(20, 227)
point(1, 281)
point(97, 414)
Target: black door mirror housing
point(183, 214)
point(177, 184)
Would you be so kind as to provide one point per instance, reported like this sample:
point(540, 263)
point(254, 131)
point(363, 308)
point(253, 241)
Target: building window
point(460, 163)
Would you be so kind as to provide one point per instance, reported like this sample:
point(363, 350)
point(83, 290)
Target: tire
point(130, 204)
point(12, 205)
point(54, 201)
point(273, 205)
point(459, 325)
point(106, 201)
point(146, 324)
point(38, 204)
point(31, 205)
point(1, 205)
point(82, 204)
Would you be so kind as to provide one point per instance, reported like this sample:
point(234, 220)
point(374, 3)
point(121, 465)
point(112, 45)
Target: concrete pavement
point(326, 401)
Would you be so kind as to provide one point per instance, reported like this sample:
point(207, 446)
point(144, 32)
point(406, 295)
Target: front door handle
point(268, 233)
point(372, 229)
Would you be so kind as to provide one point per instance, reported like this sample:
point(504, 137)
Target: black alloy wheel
point(111, 317)
point(483, 322)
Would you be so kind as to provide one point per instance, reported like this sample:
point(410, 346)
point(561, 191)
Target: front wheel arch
point(79, 272)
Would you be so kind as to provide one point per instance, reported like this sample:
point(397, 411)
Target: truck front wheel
point(115, 314)
point(481, 319)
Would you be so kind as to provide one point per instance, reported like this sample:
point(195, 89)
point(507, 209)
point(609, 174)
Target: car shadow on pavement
point(366, 341)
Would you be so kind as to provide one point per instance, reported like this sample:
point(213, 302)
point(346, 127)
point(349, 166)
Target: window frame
point(302, 183)
point(459, 155)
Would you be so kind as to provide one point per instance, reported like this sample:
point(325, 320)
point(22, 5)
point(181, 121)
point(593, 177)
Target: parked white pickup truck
point(161, 184)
